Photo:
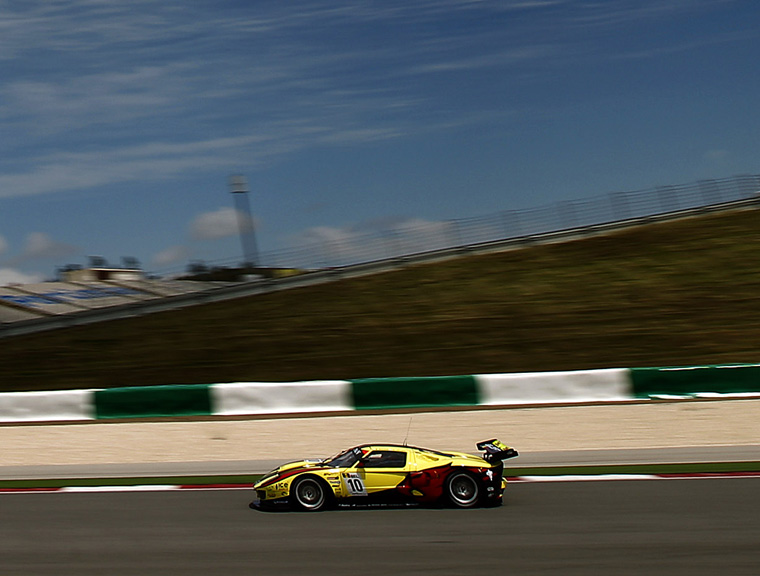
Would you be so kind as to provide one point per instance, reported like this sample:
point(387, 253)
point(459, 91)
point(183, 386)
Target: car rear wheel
point(309, 494)
point(462, 489)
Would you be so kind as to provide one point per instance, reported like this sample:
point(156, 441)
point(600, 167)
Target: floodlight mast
point(239, 189)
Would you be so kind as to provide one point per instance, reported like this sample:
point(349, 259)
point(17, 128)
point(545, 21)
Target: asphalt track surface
point(673, 527)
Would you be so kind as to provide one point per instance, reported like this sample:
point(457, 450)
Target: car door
point(384, 468)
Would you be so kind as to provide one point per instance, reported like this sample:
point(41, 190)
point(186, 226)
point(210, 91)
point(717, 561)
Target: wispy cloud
point(149, 90)
point(141, 71)
point(386, 238)
point(170, 256)
point(682, 47)
point(104, 99)
point(74, 171)
point(717, 155)
point(157, 160)
point(510, 57)
point(606, 14)
point(39, 246)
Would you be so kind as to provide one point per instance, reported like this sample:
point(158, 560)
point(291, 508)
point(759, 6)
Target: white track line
point(586, 477)
point(511, 480)
point(139, 488)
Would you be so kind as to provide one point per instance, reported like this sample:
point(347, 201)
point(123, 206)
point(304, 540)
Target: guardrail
point(263, 286)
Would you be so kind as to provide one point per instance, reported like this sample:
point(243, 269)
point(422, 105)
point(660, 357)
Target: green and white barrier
point(548, 387)
point(696, 380)
point(436, 391)
point(281, 397)
point(46, 406)
point(241, 398)
point(153, 401)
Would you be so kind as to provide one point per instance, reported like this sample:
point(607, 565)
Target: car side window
point(384, 459)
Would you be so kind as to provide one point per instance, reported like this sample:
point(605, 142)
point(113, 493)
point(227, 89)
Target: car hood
point(296, 464)
point(284, 468)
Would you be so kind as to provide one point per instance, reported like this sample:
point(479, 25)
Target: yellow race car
point(388, 474)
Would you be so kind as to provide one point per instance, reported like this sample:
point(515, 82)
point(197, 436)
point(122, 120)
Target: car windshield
point(344, 459)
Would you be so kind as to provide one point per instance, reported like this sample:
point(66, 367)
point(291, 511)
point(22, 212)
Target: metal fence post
point(453, 233)
point(620, 208)
point(747, 185)
point(668, 196)
point(510, 222)
point(710, 192)
point(567, 215)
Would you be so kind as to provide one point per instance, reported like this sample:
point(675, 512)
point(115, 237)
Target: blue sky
point(120, 122)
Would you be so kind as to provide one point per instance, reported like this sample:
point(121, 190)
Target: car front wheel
point(462, 489)
point(308, 494)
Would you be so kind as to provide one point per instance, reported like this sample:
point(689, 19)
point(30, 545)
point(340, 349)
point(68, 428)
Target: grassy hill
point(679, 293)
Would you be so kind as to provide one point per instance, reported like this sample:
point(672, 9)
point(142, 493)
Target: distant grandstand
point(84, 289)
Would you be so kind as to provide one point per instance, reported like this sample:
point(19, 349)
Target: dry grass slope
point(685, 292)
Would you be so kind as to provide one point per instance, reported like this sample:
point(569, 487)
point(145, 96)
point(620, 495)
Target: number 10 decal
point(354, 484)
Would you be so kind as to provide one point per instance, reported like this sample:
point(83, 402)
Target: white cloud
point(172, 255)
point(40, 246)
point(220, 223)
point(326, 234)
point(11, 276)
point(335, 246)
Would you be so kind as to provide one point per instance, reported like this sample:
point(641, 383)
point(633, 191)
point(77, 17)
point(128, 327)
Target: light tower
point(239, 189)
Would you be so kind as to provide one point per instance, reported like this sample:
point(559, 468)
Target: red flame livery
point(388, 473)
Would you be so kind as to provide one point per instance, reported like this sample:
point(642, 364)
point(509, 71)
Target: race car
point(390, 474)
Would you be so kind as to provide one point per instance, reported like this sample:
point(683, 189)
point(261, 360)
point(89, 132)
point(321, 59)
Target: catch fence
point(324, 248)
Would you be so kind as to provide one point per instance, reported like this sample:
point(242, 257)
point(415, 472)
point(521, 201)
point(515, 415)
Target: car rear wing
point(494, 450)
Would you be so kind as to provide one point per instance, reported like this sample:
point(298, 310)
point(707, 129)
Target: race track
point(674, 527)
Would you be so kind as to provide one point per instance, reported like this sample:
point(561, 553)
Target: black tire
point(462, 489)
point(309, 494)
